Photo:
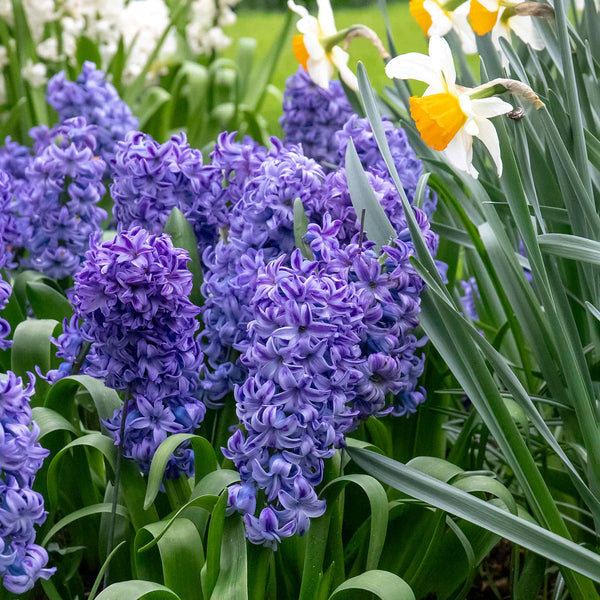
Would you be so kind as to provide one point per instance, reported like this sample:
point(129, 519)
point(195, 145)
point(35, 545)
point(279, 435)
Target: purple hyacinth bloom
point(150, 179)
point(312, 115)
point(389, 289)
point(295, 404)
point(132, 294)
point(22, 561)
point(409, 167)
point(66, 178)
point(95, 99)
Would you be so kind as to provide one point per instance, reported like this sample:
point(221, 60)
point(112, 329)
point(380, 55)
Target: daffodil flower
point(448, 116)
point(439, 17)
point(501, 17)
point(317, 49)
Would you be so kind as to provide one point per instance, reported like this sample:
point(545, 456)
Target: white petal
point(326, 20)
point(490, 107)
point(440, 53)
point(320, 71)
point(440, 22)
point(490, 5)
point(489, 136)
point(471, 127)
point(414, 66)
point(340, 59)
point(459, 153)
point(308, 25)
point(299, 10)
point(313, 46)
point(462, 27)
point(525, 28)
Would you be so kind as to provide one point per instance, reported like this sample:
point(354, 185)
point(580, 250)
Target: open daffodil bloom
point(316, 47)
point(448, 116)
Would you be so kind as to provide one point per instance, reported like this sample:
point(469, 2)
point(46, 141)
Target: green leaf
point(106, 400)
point(87, 50)
point(461, 504)
point(86, 511)
point(153, 100)
point(300, 227)
point(213, 545)
point(377, 226)
point(379, 510)
point(49, 421)
point(383, 584)
point(202, 448)
point(137, 590)
point(46, 302)
point(98, 581)
point(570, 246)
point(182, 235)
point(232, 582)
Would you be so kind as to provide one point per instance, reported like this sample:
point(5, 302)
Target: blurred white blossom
point(34, 73)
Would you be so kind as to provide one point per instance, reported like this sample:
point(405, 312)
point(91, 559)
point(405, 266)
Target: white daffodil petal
point(471, 127)
point(440, 22)
point(460, 24)
point(440, 53)
point(320, 71)
point(326, 20)
point(340, 59)
point(413, 65)
point(459, 150)
point(525, 28)
point(491, 5)
point(299, 10)
point(490, 107)
point(489, 136)
point(313, 46)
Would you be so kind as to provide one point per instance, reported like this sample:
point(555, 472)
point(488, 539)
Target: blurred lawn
point(265, 26)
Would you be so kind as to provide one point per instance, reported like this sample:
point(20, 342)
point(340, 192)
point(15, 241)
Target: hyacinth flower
point(261, 228)
point(438, 18)
point(132, 294)
point(409, 167)
point(67, 184)
point(449, 116)
point(294, 405)
point(317, 47)
point(95, 99)
point(312, 115)
point(150, 179)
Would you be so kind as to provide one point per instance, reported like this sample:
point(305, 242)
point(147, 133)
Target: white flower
point(48, 49)
point(314, 48)
point(34, 73)
point(448, 116)
point(438, 17)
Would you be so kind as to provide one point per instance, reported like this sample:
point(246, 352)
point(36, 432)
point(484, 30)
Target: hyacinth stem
point(78, 362)
point(115, 499)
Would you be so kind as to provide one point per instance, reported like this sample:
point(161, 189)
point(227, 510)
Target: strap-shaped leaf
point(138, 590)
point(383, 584)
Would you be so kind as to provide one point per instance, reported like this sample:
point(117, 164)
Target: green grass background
point(265, 27)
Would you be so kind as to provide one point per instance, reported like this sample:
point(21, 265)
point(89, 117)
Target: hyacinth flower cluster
point(95, 99)
point(294, 405)
point(150, 179)
point(390, 289)
point(261, 228)
point(312, 115)
point(66, 180)
point(22, 561)
point(132, 294)
point(409, 167)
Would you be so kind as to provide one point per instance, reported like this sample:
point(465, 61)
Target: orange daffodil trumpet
point(449, 116)
point(317, 47)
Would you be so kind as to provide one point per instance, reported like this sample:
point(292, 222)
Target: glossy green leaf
point(232, 582)
point(138, 590)
point(49, 421)
point(446, 497)
point(87, 50)
point(383, 584)
point(571, 246)
point(182, 235)
point(98, 580)
point(46, 302)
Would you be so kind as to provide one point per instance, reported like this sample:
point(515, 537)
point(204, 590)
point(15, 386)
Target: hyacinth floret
point(409, 167)
point(312, 115)
point(133, 297)
point(295, 403)
point(150, 179)
point(94, 98)
point(22, 561)
point(66, 178)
